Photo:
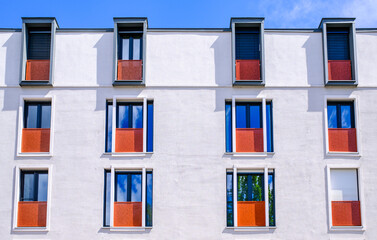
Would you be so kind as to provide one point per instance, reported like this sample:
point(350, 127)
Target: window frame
point(360, 195)
point(17, 188)
point(21, 124)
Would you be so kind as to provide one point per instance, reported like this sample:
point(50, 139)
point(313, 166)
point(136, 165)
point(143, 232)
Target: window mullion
point(36, 179)
point(339, 115)
point(131, 45)
point(130, 115)
point(129, 187)
point(248, 116)
point(39, 116)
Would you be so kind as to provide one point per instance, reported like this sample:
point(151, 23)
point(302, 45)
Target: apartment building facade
point(145, 133)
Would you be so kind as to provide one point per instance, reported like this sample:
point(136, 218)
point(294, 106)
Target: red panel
point(130, 70)
point(339, 70)
point(32, 214)
point(247, 70)
point(37, 70)
point(249, 139)
point(346, 213)
point(35, 140)
point(127, 214)
point(129, 140)
point(342, 140)
point(251, 213)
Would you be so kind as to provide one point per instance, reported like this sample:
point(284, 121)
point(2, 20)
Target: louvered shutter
point(38, 45)
point(338, 45)
point(247, 44)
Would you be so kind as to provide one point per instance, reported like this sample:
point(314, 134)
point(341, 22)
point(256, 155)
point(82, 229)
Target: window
point(248, 51)
point(339, 51)
point(250, 134)
point(129, 203)
point(341, 126)
point(36, 127)
point(344, 197)
point(32, 205)
point(247, 205)
point(129, 126)
point(130, 51)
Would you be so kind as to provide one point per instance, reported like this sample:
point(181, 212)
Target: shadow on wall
point(314, 60)
point(12, 60)
point(104, 65)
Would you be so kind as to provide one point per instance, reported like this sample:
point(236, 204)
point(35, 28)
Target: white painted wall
point(189, 77)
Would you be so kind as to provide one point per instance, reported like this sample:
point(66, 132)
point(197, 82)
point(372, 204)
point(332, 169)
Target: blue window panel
point(106, 212)
point(42, 186)
point(28, 187)
point(255, 116)
point(46, 116)
point(128, 187)
point(32, 116)
point(123, 116)
point(34, 186)
point(270, 145)
point(129, 115)
point(240, 116)
point(338, 47)
point(340, 115)
point(247, 43)
point(332, 116)
point(150, 127)
point(229, 199)
point(250, 187)
point(37, 115)
point(346, 116)
point(228, 126)
point(149, 200)
point(109, 126)
point(271, 198)
point(137, 116)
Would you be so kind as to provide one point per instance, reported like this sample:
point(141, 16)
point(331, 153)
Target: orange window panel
point(342, 140)
point(251, 213)
point(248, 69)
point(35, 140)
point(32, 214)
point(129, 140)
point(339, 70)
point(346, 213)
point(127, 214)
point(249, 139)
point(37, 70)
point(130, 70)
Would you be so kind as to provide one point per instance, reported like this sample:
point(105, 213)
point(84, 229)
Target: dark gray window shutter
point(39, 43)
point(338, 44)
point(247, 43)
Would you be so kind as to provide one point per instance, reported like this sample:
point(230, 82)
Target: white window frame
point(249, 98)
point(265, 168)
point(130, 98)
point(21, 111)
point(17, 185)
point(345, 98)
point(361, 197)
point(143, 169)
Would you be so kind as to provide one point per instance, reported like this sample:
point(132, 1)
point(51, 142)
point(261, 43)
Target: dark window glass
point(128, 187)
point(150, 127)
point(229, 199)
point(340, 115)
point(129, 115)
point(247, 43)
point(149, 200)
point(37, 115)
point(38, 43)
point(34, 186)
point(338, 44)
point(248, 115)
point(255, 116)
point(106, 215)
point(270, 145)
point(250, 187)
point(109, 126)
point(271, 198)
point(228, 126)
point(130, 47)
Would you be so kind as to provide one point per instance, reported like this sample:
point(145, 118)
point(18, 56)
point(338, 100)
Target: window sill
point(34, 154)
point(347, 228)
point(343, 154)
point(129, 154)
point(250, 154)
point(251, 229)
point(248, 83)
point(30, 229)
point(128, 83)
point(127, 229)
point(35, 83)
point(341, 83)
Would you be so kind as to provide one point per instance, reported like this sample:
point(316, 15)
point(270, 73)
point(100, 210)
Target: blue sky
point(189, 13)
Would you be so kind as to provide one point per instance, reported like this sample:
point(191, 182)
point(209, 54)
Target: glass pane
point(228, 126)
point(149, 209)
point(136, 49)
point(344, 185)
point(331, 116)
point(28, 187)
point(229, 199)
point(46, 116)
point(121, 187)
point(123, 115)
point(136, 188)
point(107, 198)
point(128, 187)
point(137, 116)
point(240, 116)
point(255, 116)
point(109, 127)
point(346, 116)
point(250, 187)
point(150, 128)
point(269, 127)
point(271, 199)
point(42, 186)
point(126, 49)
point(32, 116)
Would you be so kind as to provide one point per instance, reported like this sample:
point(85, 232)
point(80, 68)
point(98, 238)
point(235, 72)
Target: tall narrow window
point(228, 126)
point(32, 205)
point(341, 127)
point(150, 127)
point(106, 202)
point(36, 129)
point(229, 199)
point(109, 126)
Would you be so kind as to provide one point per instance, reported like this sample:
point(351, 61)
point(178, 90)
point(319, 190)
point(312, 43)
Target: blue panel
point(128, 187)
point(240, 116)
point(229, 199)
point(228, 126)
point(345, 116)
point(106, 219)
point(46, 116)
point(150, 128)
point(27, 187)
point(338, 46)
point(270, 147)
point(42, 186)
point(32, 116)
point(255, 116)
point(332, 116)
point(109, 126)
point(136, 188)
point(149, 200)
point(123, 116)
point(271, 198)
point(121, 187)
point(247, 43)
point(137, 116)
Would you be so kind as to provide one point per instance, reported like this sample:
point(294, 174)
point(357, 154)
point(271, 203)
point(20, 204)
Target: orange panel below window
point(129, 140)
point(37, 70)
point(35, 140)
point(249, 139)
point(251, 213)
point(32, 214)
point(339, 70)
point(346, 213)
point(342, 140)
point(127, 214)
point(248, 69)
point(131, 70)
